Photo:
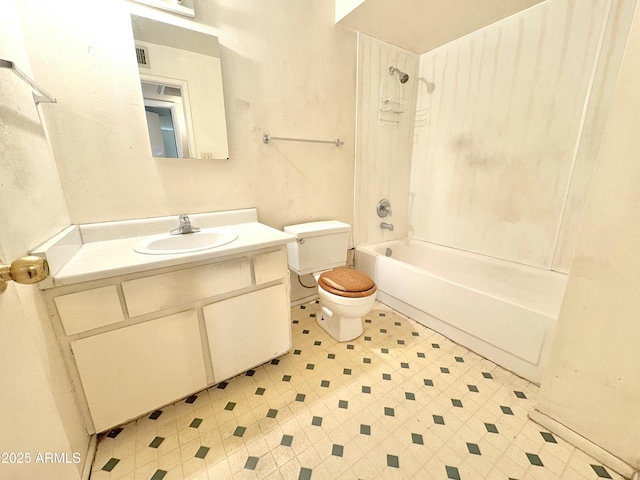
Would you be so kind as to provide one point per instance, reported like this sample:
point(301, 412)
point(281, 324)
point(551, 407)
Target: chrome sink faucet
point(185, 226)
point(386, 226)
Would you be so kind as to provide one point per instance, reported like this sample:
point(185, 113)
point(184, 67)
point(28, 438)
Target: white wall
point(516, 111)
point(592, 382)
point(383, 153)
point(287, 71)
point(38, 408)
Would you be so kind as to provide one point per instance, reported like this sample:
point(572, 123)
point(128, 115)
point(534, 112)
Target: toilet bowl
point(320, 248)
point(346, 295)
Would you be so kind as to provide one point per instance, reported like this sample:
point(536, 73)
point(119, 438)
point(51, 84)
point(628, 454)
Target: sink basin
point(167, 244)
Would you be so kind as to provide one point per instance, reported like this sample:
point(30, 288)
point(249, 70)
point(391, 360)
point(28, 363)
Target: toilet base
point(339, 327)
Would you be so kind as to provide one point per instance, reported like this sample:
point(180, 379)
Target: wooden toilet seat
point(347, 282)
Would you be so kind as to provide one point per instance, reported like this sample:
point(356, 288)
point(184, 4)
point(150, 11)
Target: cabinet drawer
point(152, 294)
point(78, 310)
point(270, 266)
point(133, 370)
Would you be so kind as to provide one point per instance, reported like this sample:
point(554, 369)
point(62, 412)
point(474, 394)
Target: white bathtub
point(502, 310)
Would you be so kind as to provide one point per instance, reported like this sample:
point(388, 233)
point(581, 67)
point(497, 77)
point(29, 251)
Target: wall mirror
point(181, 83)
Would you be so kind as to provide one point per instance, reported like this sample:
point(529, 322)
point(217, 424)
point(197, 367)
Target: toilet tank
point(319, 246)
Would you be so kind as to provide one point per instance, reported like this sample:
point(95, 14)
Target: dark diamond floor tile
point(251, 463)
point(316, 421)
point(393, 461)
point(417, 439)
point(346, 371)
point(260, 391)
point(300, 397)
point(601, 471)
point(343, 404)
point(472, 388)
point(459, 359)
point(286, 440)
point(365, 429)
point(535, 459)
point(444, 369)
point(191, 399)
point(305, 473)
point(473, 449)
point(404, 365)
point(386, 376)
point(487, 375)
point(272, 413)
point(491, 428)
point(435, 345)
point(286, 378)
point(114, 433)
point(366, 360)
point(223, 385)
point(506, 410)
point(195, 423)
point(548, 437)
point(421, 355)
point(159, 475)
point(409, 396)
point(456, 403)
point(107, 467)
point(250, 373)
point(202, 452)
point(337, 450)
point(519, 394)
point(366, 389)
point(155, 415)
point(156, 442)
point(325, 383)
point(331, 356)
point(428, 382)
point(452, 473)
point(310, 366)
point(230, 406)
point(239, 431)
point(389, 412)
point(438, 419)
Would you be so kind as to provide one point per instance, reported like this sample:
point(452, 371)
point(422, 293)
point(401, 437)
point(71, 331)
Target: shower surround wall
point(505, 145)
point(383, 152)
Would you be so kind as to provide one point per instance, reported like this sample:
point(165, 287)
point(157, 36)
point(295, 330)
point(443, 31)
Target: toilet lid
point(347, 282)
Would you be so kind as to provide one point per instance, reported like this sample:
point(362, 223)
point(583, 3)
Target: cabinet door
point(248, 330)
point(134, 370)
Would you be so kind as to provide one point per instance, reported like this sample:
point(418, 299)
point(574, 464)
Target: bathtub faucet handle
point(383, 208)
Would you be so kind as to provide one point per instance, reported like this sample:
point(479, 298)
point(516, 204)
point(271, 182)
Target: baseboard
point(606, 458)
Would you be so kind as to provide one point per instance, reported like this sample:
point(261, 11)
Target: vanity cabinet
point(139, 341)
point(132, 370)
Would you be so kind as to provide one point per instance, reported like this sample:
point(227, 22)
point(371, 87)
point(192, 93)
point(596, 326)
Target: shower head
point(404, 78)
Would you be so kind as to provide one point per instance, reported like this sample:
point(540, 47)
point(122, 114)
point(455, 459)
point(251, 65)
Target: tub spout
point(386, 226)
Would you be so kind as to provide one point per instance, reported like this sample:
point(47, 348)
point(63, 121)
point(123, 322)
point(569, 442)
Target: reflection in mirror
point(181, 83)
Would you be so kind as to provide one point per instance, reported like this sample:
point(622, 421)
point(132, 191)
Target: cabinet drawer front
point(270, 266)
point(152, 294)
point(133, 370)
point(247, 331)
point(78, 310)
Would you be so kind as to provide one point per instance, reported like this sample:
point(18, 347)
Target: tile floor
point(399, 402)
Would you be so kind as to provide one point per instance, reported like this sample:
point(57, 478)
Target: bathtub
point(502, 310)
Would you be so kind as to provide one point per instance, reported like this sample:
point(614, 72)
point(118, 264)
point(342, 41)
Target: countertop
point(102, 259)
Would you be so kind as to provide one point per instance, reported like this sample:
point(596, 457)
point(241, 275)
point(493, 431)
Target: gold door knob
point(30, 269)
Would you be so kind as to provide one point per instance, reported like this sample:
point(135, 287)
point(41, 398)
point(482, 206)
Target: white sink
point(167, 244)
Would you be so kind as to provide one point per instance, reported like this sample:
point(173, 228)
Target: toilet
point(346, 295)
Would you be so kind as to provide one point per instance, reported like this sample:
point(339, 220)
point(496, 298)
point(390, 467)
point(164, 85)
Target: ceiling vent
point(142, 54)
